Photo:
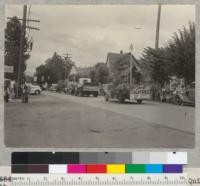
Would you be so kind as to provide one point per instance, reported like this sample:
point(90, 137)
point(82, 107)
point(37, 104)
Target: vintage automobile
point(187, 97)
point(34, 89)
point(124, 93)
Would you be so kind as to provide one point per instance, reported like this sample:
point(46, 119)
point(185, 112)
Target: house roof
point(114, 58)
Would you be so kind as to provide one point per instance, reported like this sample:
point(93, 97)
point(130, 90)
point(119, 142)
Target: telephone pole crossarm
point(28, 20)
point(32, 28)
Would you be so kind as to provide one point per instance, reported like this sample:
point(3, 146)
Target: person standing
point(25, 93)
point(6, 94)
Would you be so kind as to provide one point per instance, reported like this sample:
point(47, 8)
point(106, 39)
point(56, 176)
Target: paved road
point(59, 120)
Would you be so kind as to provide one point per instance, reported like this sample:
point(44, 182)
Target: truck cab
point(87, 88)
point(83, 81)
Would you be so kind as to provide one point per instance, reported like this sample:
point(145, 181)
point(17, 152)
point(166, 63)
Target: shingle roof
point(114, 58)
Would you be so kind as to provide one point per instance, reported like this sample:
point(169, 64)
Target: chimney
point(121, 51)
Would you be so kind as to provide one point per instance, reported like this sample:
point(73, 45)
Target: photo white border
point(5, 153)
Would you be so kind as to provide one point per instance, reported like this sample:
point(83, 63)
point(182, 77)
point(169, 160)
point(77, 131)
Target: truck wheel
point(95, 94)
point(139, 101)
point(121, 100)
point(178, 101)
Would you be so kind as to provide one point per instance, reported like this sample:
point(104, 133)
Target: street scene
point(85, 84)
point(92, 122)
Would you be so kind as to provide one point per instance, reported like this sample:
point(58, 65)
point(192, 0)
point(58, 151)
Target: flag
point(131, 47)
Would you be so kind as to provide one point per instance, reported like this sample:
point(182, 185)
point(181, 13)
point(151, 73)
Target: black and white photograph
point(99, 76)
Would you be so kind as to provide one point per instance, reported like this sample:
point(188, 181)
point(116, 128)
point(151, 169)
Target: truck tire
point(95, 94)
point(81, 94)
point(121, 100)
point(139, 101)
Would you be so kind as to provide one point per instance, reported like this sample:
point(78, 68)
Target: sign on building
point(8, 69)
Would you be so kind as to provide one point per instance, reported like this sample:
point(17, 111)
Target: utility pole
point(131, 65)
point(131, 68)
point(66, 57)
point(22, 40)
point(158, 27)
point(21, 52)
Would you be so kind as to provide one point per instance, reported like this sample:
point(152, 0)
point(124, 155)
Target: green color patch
point(135, 168)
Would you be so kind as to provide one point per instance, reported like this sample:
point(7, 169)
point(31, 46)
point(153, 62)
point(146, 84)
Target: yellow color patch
point(115, 168)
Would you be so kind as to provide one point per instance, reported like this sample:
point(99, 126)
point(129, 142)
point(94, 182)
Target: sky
point(89, 32)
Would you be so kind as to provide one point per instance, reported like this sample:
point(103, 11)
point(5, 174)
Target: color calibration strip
point(99, 158)
point(97, 168)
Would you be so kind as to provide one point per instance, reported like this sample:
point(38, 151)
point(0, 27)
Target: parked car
point(190, 92)
point(187, 97)
point(34, 89)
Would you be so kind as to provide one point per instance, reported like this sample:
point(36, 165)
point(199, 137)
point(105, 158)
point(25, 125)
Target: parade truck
point(86, 88)
point(128, 81)
point(124, 92)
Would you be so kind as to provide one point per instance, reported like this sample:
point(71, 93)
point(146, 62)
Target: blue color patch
point(154, 168)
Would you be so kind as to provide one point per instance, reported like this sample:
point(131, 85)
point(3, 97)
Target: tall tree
point(177, 58)
point(12, 47)
point(42, 72)
point(99, 74)
point(181, 51)
point(54, 69)
point(157, 63)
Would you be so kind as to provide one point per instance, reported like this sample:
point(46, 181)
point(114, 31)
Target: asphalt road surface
point(62, 121)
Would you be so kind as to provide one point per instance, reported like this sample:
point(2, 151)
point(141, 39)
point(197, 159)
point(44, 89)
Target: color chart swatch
point(97, 168)
point(99, 163)
point(99, 158)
